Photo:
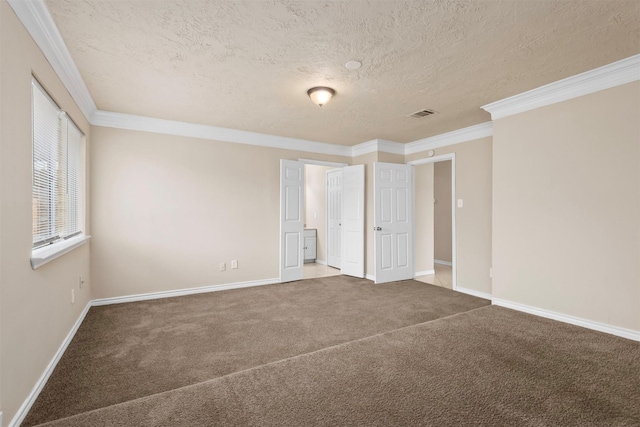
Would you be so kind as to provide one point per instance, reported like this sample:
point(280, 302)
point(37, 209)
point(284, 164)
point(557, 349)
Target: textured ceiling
point(248, 64)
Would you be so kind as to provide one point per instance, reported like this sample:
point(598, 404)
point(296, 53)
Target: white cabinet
point(310, 245)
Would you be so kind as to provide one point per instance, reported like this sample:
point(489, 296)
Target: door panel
point(393, 218)
point(353, 221)
point(334, 218)
point(291, 220)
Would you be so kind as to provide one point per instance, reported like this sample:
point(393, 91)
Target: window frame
point(53, 247)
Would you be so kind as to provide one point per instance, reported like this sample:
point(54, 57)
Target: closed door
point(393, 222)
point(334, 218)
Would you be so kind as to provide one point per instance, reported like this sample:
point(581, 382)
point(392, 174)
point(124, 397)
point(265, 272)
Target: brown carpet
point(487, 367)
point(128, 351)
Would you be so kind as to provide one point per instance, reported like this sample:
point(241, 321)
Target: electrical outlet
point(223, 266)
point(234, 263)
point(80, 282)
point(73, 296)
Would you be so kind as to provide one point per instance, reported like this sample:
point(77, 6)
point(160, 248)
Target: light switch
point(460, 203)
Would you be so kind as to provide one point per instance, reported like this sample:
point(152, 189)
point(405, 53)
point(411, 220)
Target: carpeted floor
point(128, 351)
point(488, 367)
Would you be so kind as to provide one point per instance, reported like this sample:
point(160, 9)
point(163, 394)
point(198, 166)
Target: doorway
point(318, 223)
point(298, 242)
point(440, 240)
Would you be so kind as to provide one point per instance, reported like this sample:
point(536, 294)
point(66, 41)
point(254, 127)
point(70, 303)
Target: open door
point(334, 218)
point(291, 220)
point(393, 219)
point(353, 221)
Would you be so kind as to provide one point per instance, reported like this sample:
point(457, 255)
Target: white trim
point(322, 163)
point(437, 261)
point(182, 292)
point(35, 17)
point(377, 145)
point(470, 133)
point(565, 318)
point(37, 388)
point(424, 273)
point(371, 277)
point(213, 133)
point(454, 246)
point(390, 147)
point(320, 261)
point(41, 256)
point(608, 76)
point(474, 293)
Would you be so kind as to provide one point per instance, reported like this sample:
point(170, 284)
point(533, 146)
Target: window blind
point(57, 166)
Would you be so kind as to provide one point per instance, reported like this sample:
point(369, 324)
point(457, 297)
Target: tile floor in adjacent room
point(443, 277)
point(314, 270)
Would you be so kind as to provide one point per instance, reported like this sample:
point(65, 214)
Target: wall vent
point(422, 113)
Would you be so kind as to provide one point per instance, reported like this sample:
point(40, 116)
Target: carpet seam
point(263, 365)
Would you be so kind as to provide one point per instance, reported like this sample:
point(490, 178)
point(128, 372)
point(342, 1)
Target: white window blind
point(57, 170)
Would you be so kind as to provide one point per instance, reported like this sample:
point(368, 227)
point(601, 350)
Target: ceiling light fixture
point(320, 95)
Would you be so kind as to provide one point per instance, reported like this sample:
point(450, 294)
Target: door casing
point(442, 158)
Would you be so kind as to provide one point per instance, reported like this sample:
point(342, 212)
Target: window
point(58, 169)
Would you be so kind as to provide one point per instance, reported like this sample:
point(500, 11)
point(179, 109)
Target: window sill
point(41, 256)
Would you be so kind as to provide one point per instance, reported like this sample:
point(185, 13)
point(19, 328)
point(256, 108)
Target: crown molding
point(35, 17)
point(376, 145)
point(470, 133)
point(391, 147)
point(364, 148)
point(608, 76)
point(171, 127)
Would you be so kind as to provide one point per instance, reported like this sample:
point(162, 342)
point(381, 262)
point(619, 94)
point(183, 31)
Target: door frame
point(303, 162)
point(444, 158)
point(323, 163)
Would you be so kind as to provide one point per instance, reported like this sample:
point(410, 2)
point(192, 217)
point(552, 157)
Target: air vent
point(422, 113)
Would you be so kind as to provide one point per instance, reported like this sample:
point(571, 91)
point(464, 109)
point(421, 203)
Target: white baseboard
point(182, 292)
point(371, 277)
point(437, 261)
point(590, 324)
point(37, 388)
point(31, 398)
point(424, 273)
point(321, 261)
point(474, 293)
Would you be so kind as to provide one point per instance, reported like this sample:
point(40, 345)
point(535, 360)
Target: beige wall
point(473, 221)
point(442, 210)
point(567, 207)
point(423, 236)
point(167, 210)
point(36, 311)
point(316, 205)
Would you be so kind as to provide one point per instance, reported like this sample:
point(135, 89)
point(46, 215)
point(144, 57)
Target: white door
point(393, 222)
point(353, 220)
point(334, 217)
point(291, 220)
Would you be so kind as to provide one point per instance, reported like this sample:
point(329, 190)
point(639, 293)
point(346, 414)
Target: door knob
point(377, 228)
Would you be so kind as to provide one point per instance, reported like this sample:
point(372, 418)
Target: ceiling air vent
point(422, 113)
